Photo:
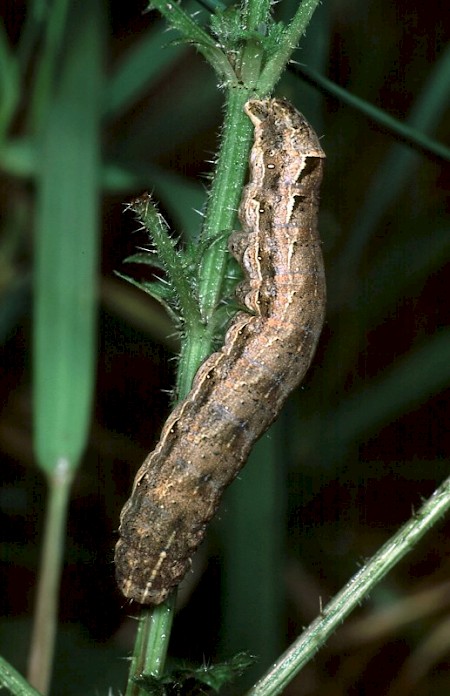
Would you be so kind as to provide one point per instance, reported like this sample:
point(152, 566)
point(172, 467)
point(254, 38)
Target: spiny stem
point(305, 647)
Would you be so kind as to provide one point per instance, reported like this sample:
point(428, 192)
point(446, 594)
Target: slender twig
point(403, 132)
point(315, 636)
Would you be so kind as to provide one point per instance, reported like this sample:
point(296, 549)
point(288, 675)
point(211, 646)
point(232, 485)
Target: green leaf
point(179, 275)
point(67, 240)
point(183, 681)
point(164, 294)
point(147, 258)
point(192, 33)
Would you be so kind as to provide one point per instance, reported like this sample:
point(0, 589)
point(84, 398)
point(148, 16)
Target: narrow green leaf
point(191, 32)
point(410, 135)
point(66, 252)
point(162, 293)
point(178, 275)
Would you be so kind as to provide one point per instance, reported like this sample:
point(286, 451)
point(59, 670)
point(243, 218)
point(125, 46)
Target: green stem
point(402, 131)
point(291, 37)
point(219, 220)
point(152, 642)
point(256, 13)
point(224, 199)
point(46, 615)
point(154, 624)
point(305, 647)
point(195, 347)
point(160, 624)
point(14, 682)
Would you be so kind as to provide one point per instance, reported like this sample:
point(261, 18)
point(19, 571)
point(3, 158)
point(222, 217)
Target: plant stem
point(256, 13)
point(224, 198)
point(219, 220)
point(292, 35)
point(12, 680)
point(154, 624)
point(160, 620)
point(409, 135)
point(305, 647)
point(46, 615)
point(152, 641)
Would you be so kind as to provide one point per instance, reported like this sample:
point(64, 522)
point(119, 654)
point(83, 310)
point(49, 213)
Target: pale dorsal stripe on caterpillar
point(238, 391)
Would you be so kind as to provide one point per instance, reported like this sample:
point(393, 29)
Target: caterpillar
point(239, 390)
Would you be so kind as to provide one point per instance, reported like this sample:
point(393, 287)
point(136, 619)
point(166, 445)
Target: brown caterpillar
point(238, 391)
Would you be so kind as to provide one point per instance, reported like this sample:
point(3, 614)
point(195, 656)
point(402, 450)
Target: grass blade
point(65, 301)
point(66, 257)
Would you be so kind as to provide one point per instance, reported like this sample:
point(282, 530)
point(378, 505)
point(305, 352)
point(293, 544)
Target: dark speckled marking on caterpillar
point(238, 391)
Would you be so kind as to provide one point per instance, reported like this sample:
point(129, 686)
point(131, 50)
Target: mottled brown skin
point(238, 391)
